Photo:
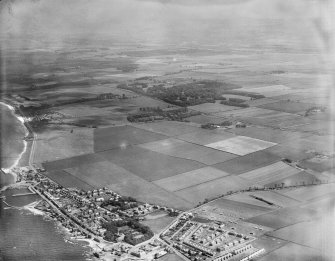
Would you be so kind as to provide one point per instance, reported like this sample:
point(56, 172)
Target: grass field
point(270, 196)
point(237, 209)
point(67, 180)
point(241, 145)
point(269, 134)
point(319, 165)
point(122, 181)
point(186, 150)
point(157, 223)
point(295, 179)
point(315, 234)
point(212, 189)
point(203, 137)
point(293, 252)
point(309, 193)
point(248, 162)
point(271, 90)
point(212, 107)
point(149, 165)
point(270, 173)
point(284, 217)
point(288, 106)
point(63, 144)
point(189, 179)
point(122, 136)
point(169, 128)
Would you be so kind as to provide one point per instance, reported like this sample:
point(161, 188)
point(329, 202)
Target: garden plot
point(191, 178)
point(270, 173)
point(241, 145)
point(186, 150)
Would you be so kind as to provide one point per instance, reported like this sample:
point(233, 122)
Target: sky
point(161, 21)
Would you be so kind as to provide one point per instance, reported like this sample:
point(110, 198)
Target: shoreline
point(27, 131)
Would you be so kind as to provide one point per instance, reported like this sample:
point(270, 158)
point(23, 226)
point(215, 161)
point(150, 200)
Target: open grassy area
point(270, 173)
point(211, 189)
point(189, 179)
point(121, 137)
point(248, 162)
point(186, 150)
point(241, 145)
point(149, 165)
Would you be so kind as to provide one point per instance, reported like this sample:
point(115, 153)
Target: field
point(122, 181)
point(203, 137)
point(169, 128)
point(294, 252)
point(270, 173)
point(157, 221)
point(309, 193)
point(148, 164)
point(315, 234)
point(212, 107)
point(186, 150)
point(270, 91)
point(63, 144)
point(248, 162)
point(288, 106)
point(270, 134)
point(283, 217)
point(319, 165)
point(295, 179)
point(241, 145)
point(270, 196)
point(190, 179)
point(67, 180)
point(212, 189)
point(235, 209)
point(121, 137)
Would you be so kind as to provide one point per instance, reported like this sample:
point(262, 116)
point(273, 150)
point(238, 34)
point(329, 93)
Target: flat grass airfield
point(271, 170)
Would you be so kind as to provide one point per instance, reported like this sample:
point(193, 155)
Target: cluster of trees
point(112, 229)
point(123, 203)
point(234, 103)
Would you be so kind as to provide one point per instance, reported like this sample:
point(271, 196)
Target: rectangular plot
point(148, 164)
point(288, 106)
point(122, 136)
point(169, 128)
point(283, 217)
point(203, 137)
point(241, 145)
point(125, 183)
point(248, 162)
point(191, 178)
point(212, 107)
point(238, 209)
point(270, 173)
point(310, 192)
point(67, 180)
point(186, 150)
point(72, 162)
point(212, 189)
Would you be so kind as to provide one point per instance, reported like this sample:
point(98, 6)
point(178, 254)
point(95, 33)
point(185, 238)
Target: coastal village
point(111, 223)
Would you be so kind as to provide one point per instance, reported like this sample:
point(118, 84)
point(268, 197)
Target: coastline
point(27, 131)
